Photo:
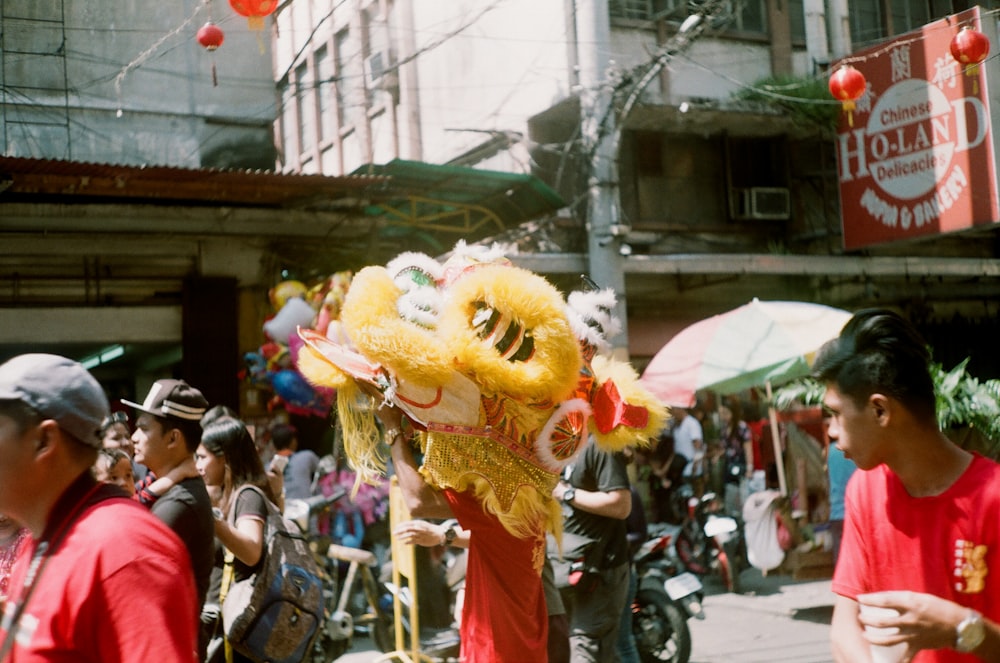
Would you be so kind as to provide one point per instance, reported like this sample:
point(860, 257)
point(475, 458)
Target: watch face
point(971, 632)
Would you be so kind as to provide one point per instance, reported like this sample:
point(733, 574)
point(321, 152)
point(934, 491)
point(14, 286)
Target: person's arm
point(152, 492)
point(611, 504)
point(245, 539)
point(926, 621)
point(422, 499)
point(748, 450)
point(847, 640)
point(276, 480)
point(117, 631)
point(423, 533)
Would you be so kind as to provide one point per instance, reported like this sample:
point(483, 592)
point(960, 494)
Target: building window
point(289, 145)
point(874, 21)
point(305, 95)
point(751, 17)
point(349, 80)
point(644, 10)
point(797, 17)
point(326, 94)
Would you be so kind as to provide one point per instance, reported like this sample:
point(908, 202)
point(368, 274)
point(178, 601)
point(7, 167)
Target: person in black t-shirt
point(167, 432)
point(597, 495)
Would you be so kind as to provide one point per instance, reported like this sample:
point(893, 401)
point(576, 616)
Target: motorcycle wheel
point(660, 629)
point(692, 552)
point(327, 649)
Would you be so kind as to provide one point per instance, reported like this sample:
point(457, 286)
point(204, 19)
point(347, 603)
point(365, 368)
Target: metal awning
point(456, 199)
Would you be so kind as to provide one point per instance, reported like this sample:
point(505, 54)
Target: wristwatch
point(970, 632)
point(568, 495)
point(450, 533)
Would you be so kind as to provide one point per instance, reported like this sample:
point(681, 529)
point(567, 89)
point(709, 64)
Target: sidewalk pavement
point(776, 619)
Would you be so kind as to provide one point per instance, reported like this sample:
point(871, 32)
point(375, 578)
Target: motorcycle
point(712, 541)
point(665, 599)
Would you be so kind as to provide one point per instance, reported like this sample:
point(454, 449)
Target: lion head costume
point(499, 375)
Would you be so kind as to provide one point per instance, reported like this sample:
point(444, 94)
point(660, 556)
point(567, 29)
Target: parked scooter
point(665, 599)
point(711, 540)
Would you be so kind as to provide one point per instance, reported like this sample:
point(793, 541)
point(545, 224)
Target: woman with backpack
point(228, 461)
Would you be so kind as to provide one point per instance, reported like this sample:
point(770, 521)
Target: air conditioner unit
point(760, 202)
point(377, 66)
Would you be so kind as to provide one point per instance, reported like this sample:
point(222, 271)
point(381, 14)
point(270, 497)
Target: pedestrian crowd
point(96, 517)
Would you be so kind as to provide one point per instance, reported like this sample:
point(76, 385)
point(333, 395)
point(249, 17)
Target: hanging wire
point(145, 55)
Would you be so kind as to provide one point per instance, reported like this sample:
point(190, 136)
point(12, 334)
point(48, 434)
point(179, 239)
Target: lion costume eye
point(507, 336)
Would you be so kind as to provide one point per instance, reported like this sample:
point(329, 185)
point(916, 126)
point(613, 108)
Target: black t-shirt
point(604, 471)
point(249, 503)
point(187, 510)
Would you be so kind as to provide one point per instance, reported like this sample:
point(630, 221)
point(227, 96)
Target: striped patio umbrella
point(759, 344)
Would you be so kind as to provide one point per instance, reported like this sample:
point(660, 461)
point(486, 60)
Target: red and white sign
point(919, 159)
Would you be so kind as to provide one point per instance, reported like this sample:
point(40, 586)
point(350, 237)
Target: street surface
point(776, 620)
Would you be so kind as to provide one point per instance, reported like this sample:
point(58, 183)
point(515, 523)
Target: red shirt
point(504, 617)
point(947, 545)
point(117, 588)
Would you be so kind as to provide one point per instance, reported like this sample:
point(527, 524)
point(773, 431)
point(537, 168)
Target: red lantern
point(970, 48)
point(211, 37)
point(847, 85)
point(254, 10)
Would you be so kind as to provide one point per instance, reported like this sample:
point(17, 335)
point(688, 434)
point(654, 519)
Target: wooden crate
point(809, 565)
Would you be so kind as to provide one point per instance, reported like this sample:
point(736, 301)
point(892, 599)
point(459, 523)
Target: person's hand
point(185, 470)
point(925, 621)
point(419, 532)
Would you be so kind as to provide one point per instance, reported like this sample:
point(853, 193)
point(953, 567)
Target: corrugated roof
point(26, 179)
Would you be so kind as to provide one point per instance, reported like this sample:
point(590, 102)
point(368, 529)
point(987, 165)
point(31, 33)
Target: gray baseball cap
point(57, 388)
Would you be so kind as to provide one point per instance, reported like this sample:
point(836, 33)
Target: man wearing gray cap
point(92, 548)
point(167, 433)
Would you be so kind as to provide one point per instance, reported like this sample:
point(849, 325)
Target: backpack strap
point(228, 569)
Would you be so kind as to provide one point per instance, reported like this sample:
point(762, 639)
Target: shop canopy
point(467, 201)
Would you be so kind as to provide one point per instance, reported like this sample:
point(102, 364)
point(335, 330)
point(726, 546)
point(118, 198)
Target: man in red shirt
point(504, 615)
point(102, 580)
point(917, 569)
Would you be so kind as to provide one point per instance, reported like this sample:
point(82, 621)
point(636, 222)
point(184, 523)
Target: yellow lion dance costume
point(497, 372)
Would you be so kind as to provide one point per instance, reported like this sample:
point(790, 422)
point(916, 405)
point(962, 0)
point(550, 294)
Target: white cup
point(883, 653)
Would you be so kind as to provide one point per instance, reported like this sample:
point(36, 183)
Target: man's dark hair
point(23, 416)
point(191, 430)
point(282, 436)
point(879, 351)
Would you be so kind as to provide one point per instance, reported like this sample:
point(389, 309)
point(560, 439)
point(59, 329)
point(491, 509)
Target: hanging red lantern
point(847, 85)
point(254, 10)
point(970, 47)
point(211, 37)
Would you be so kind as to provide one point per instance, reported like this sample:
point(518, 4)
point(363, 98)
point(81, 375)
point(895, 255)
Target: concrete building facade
point(722, 182)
